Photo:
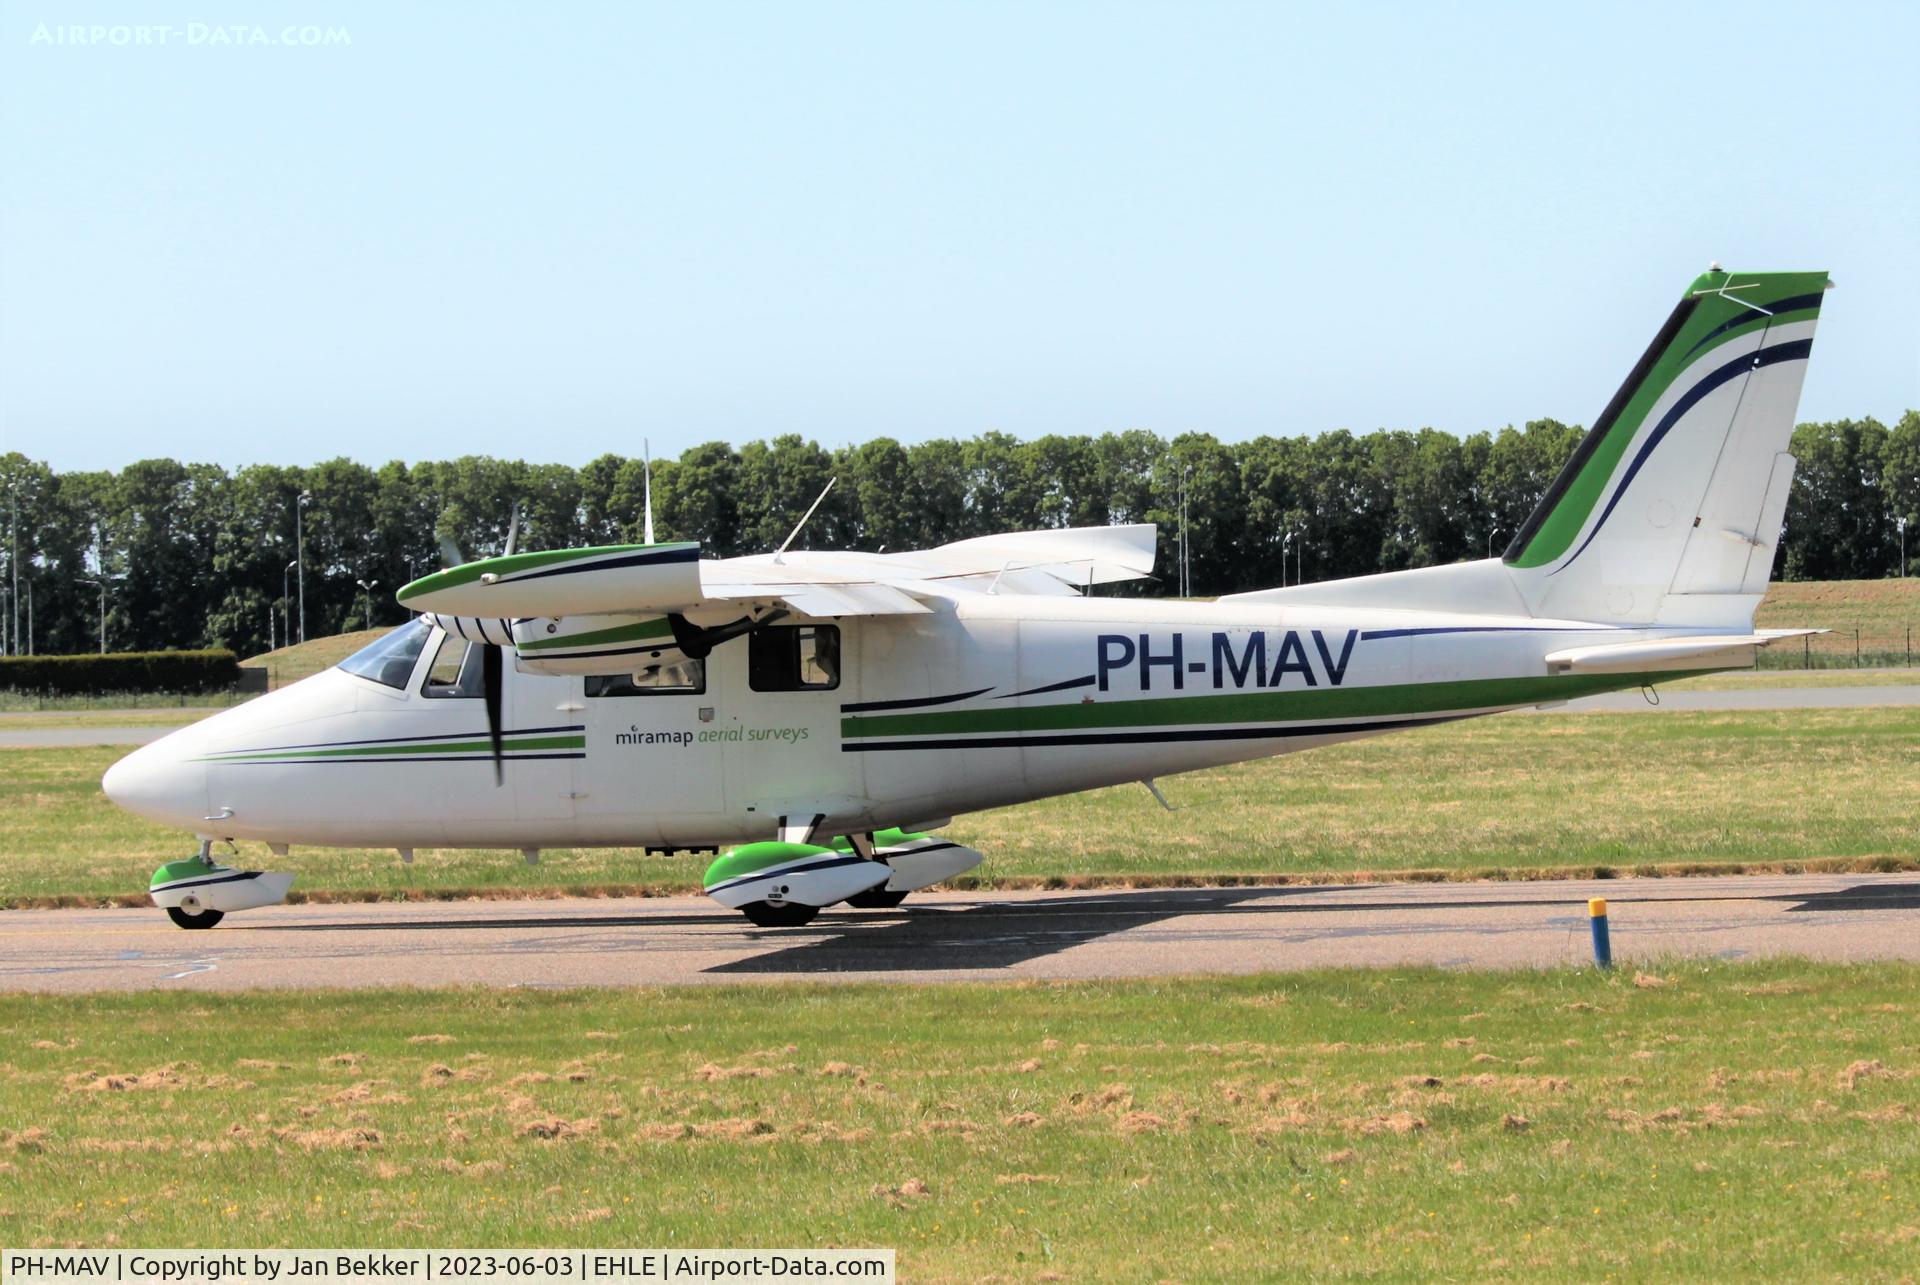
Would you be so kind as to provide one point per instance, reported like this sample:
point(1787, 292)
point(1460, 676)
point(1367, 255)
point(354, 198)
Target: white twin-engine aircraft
point(815, 714)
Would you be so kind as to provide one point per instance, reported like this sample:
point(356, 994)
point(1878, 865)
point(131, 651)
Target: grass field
point(25, 720)
point(1774, 679)
point(1416, 1124)
point(184, 705)
point(1507, 794)
point(1877, 605)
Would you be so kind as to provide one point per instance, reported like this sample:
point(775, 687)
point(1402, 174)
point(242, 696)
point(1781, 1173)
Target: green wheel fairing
point(175, 871)
point(881, 839)
point(1713, 313)
point(752, 858)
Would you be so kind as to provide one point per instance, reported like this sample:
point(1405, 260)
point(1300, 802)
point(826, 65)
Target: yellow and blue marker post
point(1597, 917)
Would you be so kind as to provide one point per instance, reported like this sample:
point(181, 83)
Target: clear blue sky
point(549, 231)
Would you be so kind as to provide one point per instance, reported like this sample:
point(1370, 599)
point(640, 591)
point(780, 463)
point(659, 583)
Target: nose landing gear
point(199, 892)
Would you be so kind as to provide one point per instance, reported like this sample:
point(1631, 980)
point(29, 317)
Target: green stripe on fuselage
point(461, 746)
point(1317, 704)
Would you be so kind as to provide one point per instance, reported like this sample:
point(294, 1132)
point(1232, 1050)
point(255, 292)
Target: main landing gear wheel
point(191, 919)
point(877, 899)
point(784, 914)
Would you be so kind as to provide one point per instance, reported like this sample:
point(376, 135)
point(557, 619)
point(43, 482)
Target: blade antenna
point(646, 465)
point(778, 553)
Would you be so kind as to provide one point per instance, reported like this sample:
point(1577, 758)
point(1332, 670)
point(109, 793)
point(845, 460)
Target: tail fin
point(1669, 511)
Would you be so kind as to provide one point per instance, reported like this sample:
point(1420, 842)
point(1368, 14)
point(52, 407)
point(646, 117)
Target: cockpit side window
point(794, 658)
point(455, 671)
point(390, 659)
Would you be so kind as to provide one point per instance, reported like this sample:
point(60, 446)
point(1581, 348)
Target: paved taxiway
point(966, 936)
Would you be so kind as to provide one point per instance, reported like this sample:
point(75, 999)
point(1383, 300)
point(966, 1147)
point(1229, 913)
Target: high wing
point(672, 579)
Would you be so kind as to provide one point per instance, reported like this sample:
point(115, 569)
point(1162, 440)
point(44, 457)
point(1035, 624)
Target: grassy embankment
point(1514, 794)
point(1420, 1124)
point(1873, 620)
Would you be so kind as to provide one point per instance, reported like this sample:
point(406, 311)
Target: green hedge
point(128, 671)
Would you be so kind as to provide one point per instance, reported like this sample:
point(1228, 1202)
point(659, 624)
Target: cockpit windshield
point(390, 659)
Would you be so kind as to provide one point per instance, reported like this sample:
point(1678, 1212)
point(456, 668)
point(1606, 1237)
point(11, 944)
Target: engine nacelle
point(609, 578)
point(583, 645)
point(570, 646)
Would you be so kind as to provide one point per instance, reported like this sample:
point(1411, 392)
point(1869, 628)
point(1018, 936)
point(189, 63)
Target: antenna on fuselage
point(781, 551)
point(646, 473)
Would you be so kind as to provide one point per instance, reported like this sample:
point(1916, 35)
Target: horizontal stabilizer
point(1700, 651)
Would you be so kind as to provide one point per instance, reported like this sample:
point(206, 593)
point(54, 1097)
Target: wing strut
point(777, 553)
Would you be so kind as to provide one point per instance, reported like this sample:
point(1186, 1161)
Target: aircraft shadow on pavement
point(990, 934)
point(1864, 896)
point(993, 934)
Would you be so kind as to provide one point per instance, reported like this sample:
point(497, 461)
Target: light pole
point(367, 587)
point(1186, 582)
point(286, 607)
point(1300, 558)
point(101, 585)
point(13, 560)
point(29, 615)
point(1902, 524)
point(300, 555)
point(1286, 547)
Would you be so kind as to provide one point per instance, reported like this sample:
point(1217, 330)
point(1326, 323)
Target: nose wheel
point(185, 918)
point(779, 914)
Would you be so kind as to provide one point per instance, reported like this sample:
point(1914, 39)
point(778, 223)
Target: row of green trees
point(193, 555)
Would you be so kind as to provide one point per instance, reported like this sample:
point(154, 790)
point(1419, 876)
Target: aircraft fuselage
point(983, 702)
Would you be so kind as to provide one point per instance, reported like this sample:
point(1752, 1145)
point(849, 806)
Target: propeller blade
point(490, 679)
point(450, 552)
point(513, 530)
point(646, 448)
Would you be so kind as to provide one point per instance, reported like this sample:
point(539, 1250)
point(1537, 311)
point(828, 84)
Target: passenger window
point(794, 658)
point(455, 671)
point(682, 678)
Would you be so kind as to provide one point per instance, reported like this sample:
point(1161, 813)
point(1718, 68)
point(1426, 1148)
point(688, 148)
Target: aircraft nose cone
point(159, 783)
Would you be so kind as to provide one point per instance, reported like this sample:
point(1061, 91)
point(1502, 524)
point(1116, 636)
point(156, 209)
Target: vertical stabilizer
point(1669, 511)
